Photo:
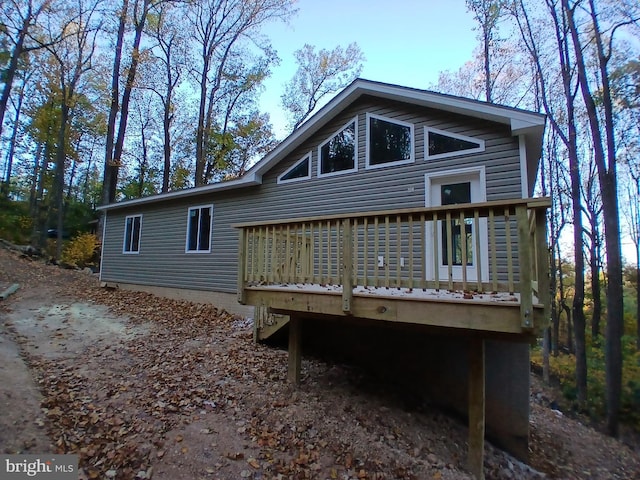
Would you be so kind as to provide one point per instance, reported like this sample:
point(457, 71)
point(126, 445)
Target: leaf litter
point(189, 395)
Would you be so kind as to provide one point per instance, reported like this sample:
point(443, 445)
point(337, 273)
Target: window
point(199, 229)
point(441, 144)
point(299, 171)
point(132, 226)
point(388, 141)
point(339, 153)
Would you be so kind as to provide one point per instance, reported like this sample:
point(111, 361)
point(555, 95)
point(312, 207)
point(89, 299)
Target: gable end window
point(388, 141)
point(199, 225)
point(300, 170)
point(442, 144)
point(132, 227)
point(339, 153)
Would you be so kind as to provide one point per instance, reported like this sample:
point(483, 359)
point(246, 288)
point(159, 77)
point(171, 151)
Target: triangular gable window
point(442, 144)
point(298, 171)
point(388, 141)
point(339, 153)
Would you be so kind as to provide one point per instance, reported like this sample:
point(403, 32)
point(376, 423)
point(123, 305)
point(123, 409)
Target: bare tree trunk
point(39, 224)
point(59, 176)
point(606, 165)
point(546, 348)
point(126, 95)
point(12, 145)
point(595, 292)
point(110, 178)
point(570, 343)
point(560, 293)
point(166, 126)
point(9, 73)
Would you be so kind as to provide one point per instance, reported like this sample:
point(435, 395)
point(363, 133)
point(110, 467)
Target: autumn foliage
point(81, 251)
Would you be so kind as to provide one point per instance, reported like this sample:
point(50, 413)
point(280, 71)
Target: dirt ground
point(145, 387)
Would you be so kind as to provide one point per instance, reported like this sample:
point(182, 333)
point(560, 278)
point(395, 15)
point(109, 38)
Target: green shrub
point(80, 251)
point(15, 223)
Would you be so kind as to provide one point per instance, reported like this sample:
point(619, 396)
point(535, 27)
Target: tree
point(593, 214)
point(487, 13)
point(72, 57)
point(20, 18)
point(219, 27)
point(318, 75)
point(235, 108)
point(253, 138)
point(599, 108)
point(115, 144)
point(14, 136)
point(171, 57)
point(563, 120)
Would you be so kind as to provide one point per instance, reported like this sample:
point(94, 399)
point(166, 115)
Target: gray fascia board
point(520, 121)
point(247, 181)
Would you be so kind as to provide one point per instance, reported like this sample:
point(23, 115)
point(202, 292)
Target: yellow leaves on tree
point(80, 251)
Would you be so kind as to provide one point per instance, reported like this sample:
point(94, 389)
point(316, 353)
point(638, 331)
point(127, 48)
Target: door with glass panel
point(456, 239)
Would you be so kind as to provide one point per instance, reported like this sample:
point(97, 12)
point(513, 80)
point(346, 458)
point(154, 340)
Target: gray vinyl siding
point(162, 260)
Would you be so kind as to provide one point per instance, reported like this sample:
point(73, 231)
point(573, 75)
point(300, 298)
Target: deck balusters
point(493, 252)
point(507, 225)
point(476, 230)
point(463, 250)
point(449, 252)
point(502, 241)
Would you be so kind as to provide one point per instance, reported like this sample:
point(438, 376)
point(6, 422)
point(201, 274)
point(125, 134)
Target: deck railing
point(497, 246)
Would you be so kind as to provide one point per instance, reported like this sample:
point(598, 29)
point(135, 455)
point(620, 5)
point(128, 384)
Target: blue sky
point(406, 42)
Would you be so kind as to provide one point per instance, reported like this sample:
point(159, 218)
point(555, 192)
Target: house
point(422, 202)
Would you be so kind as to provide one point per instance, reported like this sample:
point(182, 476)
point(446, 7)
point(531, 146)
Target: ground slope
point(144, 387)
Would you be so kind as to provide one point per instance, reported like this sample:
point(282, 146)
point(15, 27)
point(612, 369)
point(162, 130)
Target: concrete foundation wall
point(226, 301)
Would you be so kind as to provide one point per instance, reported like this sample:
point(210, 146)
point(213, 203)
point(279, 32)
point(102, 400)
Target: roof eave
point(246, 181)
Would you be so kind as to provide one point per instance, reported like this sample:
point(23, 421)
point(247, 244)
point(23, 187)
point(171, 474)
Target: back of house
point(374, 147)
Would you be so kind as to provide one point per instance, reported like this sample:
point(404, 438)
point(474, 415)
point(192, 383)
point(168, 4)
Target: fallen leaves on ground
point(189, 395)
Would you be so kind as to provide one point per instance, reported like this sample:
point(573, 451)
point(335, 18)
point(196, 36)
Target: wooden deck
point(474, 268)
point(411, 266)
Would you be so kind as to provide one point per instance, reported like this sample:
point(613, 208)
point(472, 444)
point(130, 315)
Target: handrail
point(481, 206)
point(484, 247)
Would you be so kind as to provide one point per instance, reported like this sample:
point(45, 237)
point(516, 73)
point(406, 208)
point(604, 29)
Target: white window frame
point(292, 167)
point(470, 174)
point(480, 148)
point(199, 207)
point(411, 158)
point(127, 241)
point(354, 120)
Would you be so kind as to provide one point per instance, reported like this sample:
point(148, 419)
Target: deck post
point(295, 350)
point(476, 407)
point(526, 268)
point(542, 262)
point(242, 260)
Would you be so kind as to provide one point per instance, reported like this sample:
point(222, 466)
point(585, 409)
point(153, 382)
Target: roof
point(521, 122)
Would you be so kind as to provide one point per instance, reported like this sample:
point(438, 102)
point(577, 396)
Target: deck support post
point(295, 350)
point(242, 247)
point(476, 407)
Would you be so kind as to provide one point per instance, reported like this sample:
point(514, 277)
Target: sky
point(405, 42)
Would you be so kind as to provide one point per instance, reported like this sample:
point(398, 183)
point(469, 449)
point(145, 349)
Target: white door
point(448, 188)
